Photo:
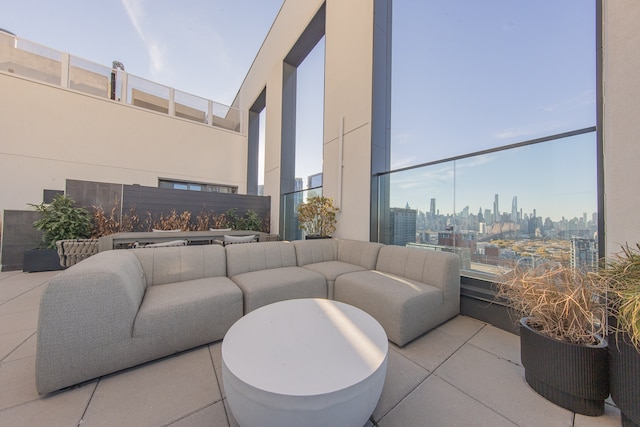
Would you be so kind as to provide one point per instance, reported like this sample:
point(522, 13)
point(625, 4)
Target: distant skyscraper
point(292, 232)
point(496, 210)
point(488, 216)
point(403, 226)
point(432, 211)
point(514, 209)
point(584, 254)
point(314, 180)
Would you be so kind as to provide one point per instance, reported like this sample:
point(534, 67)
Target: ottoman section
point(261, 288)
point(402, 306)
point(410, 291)
point(187, 314)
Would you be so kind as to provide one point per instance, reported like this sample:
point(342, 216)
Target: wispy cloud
point(513, 133)
point(578, 102)
point(136, 13)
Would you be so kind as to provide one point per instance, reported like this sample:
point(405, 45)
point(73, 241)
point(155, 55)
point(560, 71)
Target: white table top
point(304, 347)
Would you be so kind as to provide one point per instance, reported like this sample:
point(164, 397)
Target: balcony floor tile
point(464, 372)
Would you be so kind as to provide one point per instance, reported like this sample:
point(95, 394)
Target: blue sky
point(203, 47)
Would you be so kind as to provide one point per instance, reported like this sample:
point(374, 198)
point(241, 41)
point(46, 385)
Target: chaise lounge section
point(121, 308)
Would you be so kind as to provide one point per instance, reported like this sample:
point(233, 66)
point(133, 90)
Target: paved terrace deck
point(464, 373)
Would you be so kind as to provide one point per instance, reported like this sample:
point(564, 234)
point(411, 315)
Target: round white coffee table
point(304, 362)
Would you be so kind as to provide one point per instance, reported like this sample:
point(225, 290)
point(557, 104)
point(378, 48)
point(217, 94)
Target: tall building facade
point(584, 254)
point(403, 226)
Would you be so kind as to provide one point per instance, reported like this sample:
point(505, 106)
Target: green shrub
point(62, 220)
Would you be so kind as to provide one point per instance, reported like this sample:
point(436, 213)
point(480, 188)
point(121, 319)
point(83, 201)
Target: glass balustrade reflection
point(536, 202)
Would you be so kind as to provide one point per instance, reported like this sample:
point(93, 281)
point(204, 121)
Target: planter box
point(36, 260)
point(573, 376)
point(624, 370)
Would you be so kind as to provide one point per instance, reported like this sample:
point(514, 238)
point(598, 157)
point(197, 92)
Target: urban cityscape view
point(488, 239)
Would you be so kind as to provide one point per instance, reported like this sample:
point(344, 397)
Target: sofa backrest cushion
point(181, 263)
point(259, 256)
point(357, 252)
point(435, 268)
point(315, 250)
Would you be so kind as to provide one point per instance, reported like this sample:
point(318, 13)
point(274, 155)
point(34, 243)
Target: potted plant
point(621, 276)
point(317, 217)
point(562, 325)
point(61, 222)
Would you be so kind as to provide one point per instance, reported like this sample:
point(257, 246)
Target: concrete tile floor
point(464, 373)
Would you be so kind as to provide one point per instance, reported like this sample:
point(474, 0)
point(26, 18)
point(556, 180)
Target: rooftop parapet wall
point(27, 59)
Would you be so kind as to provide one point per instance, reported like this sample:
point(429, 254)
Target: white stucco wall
point(621, 76)
point(49, 134)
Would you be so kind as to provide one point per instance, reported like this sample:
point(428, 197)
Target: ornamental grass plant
point(561, 302)
point(621, 276)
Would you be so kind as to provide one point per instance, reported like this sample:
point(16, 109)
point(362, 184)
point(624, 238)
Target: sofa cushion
point(436, 268)
point(315, 250)
point(179, 264)
point(278, 284)
point(187, 314)
point(259, 256)
point(405, 308)
point(331, 270)
point(364, 254)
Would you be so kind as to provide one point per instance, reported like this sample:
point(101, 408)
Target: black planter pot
point(313, 237)
point(624, 371)
point(572, 376)
point(36, 260)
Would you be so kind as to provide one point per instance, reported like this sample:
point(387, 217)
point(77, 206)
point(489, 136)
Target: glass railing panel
point(89, 77)
point(147, 94)
point(30, 60)
point(534, 203)
point(407, 212)
point(226, 117)
point(289, 210)
point(191, 107)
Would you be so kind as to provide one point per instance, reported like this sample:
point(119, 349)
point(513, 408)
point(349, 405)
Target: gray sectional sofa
point(121, 308)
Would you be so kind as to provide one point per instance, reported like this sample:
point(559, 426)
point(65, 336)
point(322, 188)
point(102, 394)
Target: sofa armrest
point(84, 310)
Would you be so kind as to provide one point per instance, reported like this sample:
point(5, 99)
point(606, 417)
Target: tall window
point(494, 78)
point(310, 116)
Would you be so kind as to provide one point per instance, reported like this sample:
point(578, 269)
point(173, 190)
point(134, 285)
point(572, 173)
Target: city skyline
point(557, 178)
